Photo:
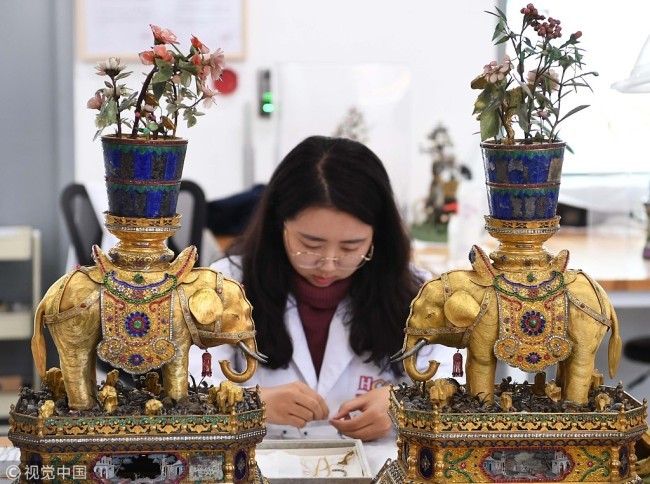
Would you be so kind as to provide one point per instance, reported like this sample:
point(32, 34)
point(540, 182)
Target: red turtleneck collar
point(316, 307)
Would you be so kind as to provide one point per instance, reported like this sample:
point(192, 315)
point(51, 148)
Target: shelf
point(20, 243)
point(15, 243)
point(613, 258)
point(16, 325)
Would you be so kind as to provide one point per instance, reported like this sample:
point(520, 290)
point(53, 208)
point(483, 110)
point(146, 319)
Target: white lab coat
point(343, 374)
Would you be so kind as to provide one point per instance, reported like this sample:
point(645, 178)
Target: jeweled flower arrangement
point(175, 86)
point(523, 97)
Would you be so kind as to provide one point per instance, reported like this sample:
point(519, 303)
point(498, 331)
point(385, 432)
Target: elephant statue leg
point(78, 365)
point(576, 371)
point(587, 328)
point(79, 336)
point(73, 319)
point(481, 365)
point(176, 373)
point(480, 371)
point(575, 383)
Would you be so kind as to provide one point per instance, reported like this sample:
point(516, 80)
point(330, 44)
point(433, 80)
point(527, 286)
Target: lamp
point(639, 80)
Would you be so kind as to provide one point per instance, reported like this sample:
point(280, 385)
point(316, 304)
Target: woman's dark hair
point(346, 175)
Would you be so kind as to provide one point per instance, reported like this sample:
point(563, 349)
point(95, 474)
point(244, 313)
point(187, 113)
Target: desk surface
point(612, 257)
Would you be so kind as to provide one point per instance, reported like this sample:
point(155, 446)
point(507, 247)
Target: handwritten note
point(120, 28)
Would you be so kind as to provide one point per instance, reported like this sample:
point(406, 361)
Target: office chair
point(638, 349)
point(228, 217)
point(191, 205)
point(81, 222)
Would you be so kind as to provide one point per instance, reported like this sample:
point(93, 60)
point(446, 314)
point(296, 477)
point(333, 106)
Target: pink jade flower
point(148, 58)
point(163, 36)
point(197, 60)
point(217, 64)
point(209, 94)
point(161, 52)
point(96, 101)
point(494, 72)
point(200, 46)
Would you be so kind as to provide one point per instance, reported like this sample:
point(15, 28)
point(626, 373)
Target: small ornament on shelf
point(441, 203)
point(353, 126)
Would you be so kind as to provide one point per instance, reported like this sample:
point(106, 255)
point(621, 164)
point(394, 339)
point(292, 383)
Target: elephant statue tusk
point(263, 356)
point(396, 355)
point(257, 356)
point(399, 356)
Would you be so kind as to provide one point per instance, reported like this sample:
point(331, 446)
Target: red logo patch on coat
point(367, 383)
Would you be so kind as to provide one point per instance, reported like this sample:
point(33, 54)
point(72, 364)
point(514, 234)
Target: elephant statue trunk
point(251, 356)
point(409, 355)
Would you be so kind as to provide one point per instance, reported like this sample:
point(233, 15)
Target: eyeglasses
point(313, 260)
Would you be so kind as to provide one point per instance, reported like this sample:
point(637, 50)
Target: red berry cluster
point(548, 30)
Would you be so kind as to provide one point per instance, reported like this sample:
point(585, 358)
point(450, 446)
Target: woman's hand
point(372, 423)
point(293, 404)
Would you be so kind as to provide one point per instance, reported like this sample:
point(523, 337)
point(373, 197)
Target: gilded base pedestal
point(437, 447)
point(139, 448)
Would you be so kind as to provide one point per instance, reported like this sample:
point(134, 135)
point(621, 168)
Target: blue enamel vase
point(143, 176)
point(523, 180)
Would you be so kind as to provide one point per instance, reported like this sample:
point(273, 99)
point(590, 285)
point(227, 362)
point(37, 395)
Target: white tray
point(313, 461)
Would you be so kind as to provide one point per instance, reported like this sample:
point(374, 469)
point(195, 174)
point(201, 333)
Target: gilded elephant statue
point(139, 321)
point(531, 318)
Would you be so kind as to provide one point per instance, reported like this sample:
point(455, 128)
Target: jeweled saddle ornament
point(533, 307)
point(532, 322)
point(136, 313)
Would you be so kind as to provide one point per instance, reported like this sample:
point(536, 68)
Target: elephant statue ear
point(206, 306)
point(485, 273)
point(560, 262)
point(94, 273)
point(100, 258)
point(183, 264)
point(461, 309)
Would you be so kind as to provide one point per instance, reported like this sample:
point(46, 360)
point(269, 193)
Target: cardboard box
point(10, 383)
point(340, 461)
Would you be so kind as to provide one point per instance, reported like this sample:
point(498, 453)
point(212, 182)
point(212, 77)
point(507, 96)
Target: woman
point(325, 264)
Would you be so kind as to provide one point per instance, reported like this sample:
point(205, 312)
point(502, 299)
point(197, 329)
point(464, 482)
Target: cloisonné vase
point(143, 176)
point(523, 180)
